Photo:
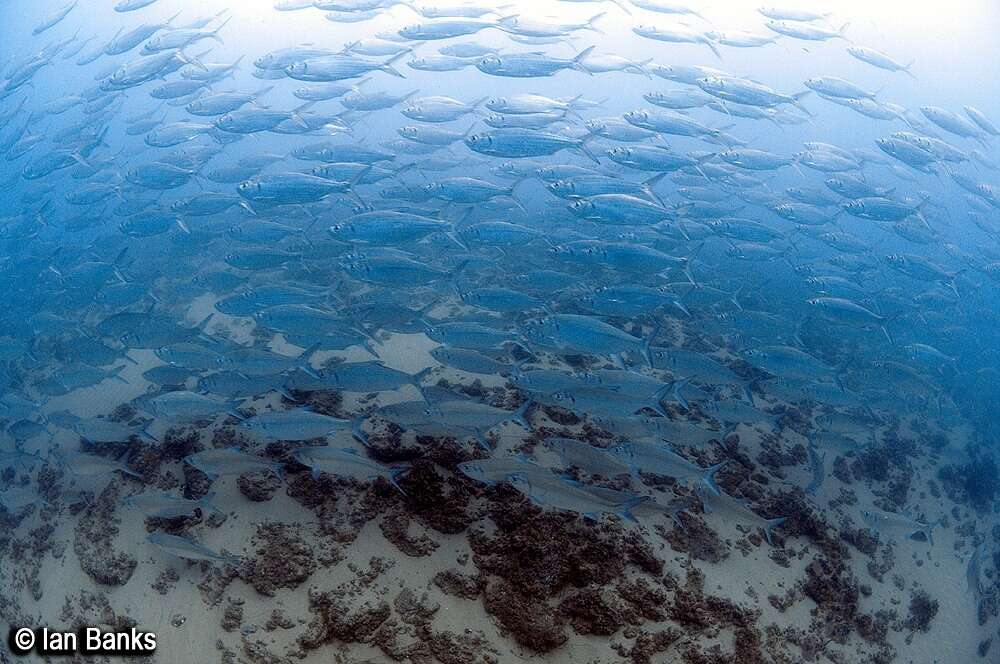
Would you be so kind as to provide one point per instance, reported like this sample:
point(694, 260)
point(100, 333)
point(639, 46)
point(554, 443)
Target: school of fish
point(662, 272)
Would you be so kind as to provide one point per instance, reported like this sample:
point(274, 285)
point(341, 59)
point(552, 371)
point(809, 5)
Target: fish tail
point(648, 343)
point(454, 238)
point(481, 439)
point(676, 388)
point(715, 49)
point(358, 432)
point(232, 559)
point(656, 401)
point(623, 6)
point(625, 511)
point(593, 19)
point(708, 477)
point(203, 325)
point(215, 33)
point(306, 357)
point(394, 476)
point(580, 57)
point(929, 530)
point(582, 147)
point(389, 69)
point(190, 60)
point(797, 102)
point(417, 377)
point(206, 502)
point(520, 415)
point(128, 471)
point(458, 270)
point(650, 183)
point(770, 525)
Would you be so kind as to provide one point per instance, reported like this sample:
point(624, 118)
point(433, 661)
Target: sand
point(337, 571)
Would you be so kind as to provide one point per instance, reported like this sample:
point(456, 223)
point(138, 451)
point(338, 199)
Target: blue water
point(148, 286)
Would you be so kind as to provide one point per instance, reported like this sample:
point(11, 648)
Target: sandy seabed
point(455, 572)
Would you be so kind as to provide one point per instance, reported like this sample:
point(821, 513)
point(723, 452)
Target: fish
point(188, 549)
point(97, 430)
point(530, 65)
point(53, 19)
point(497, 469)
point(522, 143)
point(658, 459)
point(678, 33)
point(553, 246)
point(586, 457)
point(132, 5)
point(231, 461)
point(445, 29)
point(293, 425)
point(730, 508)
point(568, 495)
point(339, 67)
point(806, 31)
point(878, 59)
point(892, 523)
point(165, 505)
point(973, 575)
point(347, 462)
point(817, 461)
point(82, 464)
point(831, 86)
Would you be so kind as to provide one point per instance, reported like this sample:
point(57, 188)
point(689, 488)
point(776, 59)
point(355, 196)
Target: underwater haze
point(562, 331)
